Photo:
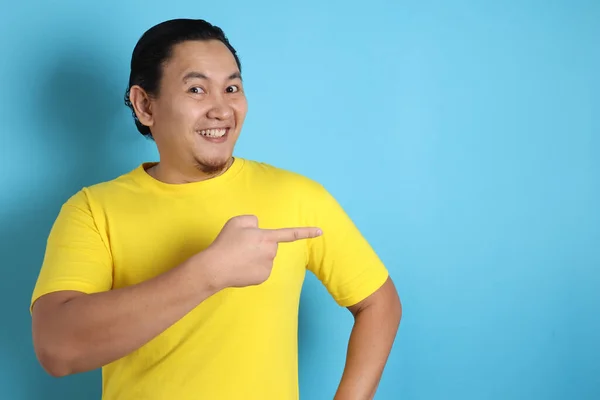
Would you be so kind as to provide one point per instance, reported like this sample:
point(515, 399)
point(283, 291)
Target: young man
point(182, 278)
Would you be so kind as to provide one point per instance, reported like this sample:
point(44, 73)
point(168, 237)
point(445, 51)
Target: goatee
point(213, 168)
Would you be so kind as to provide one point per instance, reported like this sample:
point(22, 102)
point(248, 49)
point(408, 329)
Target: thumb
point(244, 221)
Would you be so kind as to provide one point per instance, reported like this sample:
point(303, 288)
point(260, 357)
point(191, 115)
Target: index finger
point(292, 234)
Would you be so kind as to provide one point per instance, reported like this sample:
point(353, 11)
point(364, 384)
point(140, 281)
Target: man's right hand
point(76, 332)
point(243, 254)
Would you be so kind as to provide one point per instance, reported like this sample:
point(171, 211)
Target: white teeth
point(216, 133)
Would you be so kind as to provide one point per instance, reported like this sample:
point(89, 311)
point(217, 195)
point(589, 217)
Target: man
point(182, 278)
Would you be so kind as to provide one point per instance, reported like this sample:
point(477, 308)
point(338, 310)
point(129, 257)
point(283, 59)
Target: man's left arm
point(347, 265)
point(376, 322)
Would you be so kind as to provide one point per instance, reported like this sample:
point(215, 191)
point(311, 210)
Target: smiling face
point(198, 114)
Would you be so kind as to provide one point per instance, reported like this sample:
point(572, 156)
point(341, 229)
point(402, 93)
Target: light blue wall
point(462, 137)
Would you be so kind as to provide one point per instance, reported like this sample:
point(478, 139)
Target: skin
point(201, 88)
point(376, 322)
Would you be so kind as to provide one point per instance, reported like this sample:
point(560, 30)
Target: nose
point(220, 109)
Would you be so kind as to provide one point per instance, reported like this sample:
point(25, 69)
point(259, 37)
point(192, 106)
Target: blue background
point(462, 137)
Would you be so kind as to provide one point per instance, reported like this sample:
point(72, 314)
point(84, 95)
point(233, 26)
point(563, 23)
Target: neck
point(176, 175)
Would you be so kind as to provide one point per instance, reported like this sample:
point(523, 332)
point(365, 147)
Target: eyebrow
point(199, 75)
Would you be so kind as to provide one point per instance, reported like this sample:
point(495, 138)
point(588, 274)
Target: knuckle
point(261, 238)
point(273, 251)
point(267, 272)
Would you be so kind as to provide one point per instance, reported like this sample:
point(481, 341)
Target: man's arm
point(376, 322)
point(76, 332)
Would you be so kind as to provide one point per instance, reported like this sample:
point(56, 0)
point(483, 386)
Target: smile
point(213, 133)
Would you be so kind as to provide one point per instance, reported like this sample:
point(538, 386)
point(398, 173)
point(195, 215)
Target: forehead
point(210, 57)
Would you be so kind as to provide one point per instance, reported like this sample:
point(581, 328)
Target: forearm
point(370, 343)
point(89, 331)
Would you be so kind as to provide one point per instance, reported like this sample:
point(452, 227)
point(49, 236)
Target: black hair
point(155, 48)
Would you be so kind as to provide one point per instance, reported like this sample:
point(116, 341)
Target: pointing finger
point(292, 234)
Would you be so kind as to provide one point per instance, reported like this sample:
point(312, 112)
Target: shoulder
point(285, 180)
point(109, 190)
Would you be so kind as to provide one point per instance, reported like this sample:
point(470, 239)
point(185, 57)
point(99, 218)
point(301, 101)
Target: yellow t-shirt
point(240, 343)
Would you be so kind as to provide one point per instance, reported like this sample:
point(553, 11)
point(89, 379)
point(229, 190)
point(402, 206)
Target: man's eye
point(232, 89)
point(196, 90)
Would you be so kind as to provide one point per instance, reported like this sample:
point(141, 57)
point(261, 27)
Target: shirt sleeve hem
point(366, 289)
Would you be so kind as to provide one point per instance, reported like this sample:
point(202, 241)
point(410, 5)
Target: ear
point(142, 105)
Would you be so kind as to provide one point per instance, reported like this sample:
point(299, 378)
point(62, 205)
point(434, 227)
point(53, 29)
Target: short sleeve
point(76, 257)
point(341, 258)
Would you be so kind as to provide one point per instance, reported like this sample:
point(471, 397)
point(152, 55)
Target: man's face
point(201, 106)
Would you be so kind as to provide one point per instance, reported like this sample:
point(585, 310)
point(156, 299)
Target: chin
point(212, 166)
